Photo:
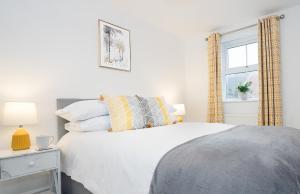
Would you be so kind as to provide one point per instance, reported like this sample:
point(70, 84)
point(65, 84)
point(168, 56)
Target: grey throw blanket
point(242, 160)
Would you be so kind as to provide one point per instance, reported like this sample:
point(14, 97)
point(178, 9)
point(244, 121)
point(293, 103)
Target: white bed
point(124, 162)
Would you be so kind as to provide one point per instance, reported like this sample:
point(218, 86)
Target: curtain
point(270, 109)
point(215, 104)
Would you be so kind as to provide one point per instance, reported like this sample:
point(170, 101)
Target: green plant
point(245, 87)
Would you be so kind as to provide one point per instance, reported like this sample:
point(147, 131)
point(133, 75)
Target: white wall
point(197, 82)
point(290, 42)
point(48, 49)
point(196, 79)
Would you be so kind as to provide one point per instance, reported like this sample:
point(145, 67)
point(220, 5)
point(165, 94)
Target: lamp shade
point(180, 109)
point(19, 113)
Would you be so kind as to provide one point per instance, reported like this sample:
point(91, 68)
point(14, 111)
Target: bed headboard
point(61, 103)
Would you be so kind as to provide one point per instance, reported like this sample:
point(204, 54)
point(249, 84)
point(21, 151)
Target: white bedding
point(124, 162)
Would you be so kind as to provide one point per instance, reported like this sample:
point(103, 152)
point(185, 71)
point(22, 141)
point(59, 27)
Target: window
point(240, 62)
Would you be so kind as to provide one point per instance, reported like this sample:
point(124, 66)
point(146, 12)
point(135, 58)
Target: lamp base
point(179, 119)
point(20, 140)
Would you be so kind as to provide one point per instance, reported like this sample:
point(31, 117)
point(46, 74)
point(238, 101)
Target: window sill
point(239, 100)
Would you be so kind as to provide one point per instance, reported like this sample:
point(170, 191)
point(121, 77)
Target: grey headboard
point(61, 103)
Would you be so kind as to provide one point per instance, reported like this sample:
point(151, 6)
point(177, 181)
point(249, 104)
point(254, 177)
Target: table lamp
point(19, 114)
point(180, 112)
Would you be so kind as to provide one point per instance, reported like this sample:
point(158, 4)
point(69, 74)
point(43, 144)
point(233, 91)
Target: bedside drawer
point(19, 166)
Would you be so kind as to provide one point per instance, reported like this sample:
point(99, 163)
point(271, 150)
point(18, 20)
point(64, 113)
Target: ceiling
point(187, 17)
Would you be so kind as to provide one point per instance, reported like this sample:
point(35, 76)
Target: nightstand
point(14, 164)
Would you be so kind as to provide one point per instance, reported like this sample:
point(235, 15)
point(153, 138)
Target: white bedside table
point(14, 164)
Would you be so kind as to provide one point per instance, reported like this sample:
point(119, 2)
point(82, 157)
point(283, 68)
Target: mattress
point(124, 162)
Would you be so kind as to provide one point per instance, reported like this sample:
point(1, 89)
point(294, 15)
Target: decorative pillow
point(101, 123)
point(125, 112)
point(155, 111)
point(83, 110)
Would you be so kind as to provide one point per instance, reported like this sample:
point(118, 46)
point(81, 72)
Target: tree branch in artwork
point(121, 48)
point(109, 39)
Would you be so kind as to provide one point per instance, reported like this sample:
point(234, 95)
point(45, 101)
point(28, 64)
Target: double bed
point(164, 160)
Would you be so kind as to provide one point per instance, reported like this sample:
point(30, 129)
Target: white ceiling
point(185, 17)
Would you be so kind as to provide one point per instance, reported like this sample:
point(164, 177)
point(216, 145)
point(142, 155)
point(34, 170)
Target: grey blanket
point(242, 160)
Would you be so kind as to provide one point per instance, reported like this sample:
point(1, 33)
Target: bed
point(154, 160)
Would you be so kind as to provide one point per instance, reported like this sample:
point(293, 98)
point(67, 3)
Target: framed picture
point(114, 46)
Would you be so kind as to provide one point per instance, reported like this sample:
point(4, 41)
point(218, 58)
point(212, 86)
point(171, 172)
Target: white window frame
point(225, 64)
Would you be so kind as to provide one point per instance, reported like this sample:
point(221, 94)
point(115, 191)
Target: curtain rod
point(282, 16)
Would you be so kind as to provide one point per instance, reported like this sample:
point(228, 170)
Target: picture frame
point(114, 47)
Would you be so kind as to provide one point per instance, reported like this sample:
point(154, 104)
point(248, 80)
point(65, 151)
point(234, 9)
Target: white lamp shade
point(180, 109)
point(19, 113)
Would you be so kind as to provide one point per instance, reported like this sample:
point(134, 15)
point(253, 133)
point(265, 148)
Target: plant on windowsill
point(243, 90)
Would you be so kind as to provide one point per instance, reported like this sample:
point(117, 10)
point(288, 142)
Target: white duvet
point(124, 162)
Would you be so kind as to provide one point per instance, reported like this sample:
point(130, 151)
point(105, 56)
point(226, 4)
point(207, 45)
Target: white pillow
point(95, 124)
point(83, 110)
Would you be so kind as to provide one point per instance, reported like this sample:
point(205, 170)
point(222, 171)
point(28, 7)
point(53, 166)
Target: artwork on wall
point(114, 47)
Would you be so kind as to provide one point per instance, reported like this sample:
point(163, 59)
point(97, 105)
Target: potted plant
point(243, 90)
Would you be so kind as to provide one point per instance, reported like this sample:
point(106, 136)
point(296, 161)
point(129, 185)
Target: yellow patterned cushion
point(125, 113)
point(134, 112)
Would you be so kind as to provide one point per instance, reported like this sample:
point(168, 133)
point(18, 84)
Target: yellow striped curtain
point(215, 104)
point(270, 108)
